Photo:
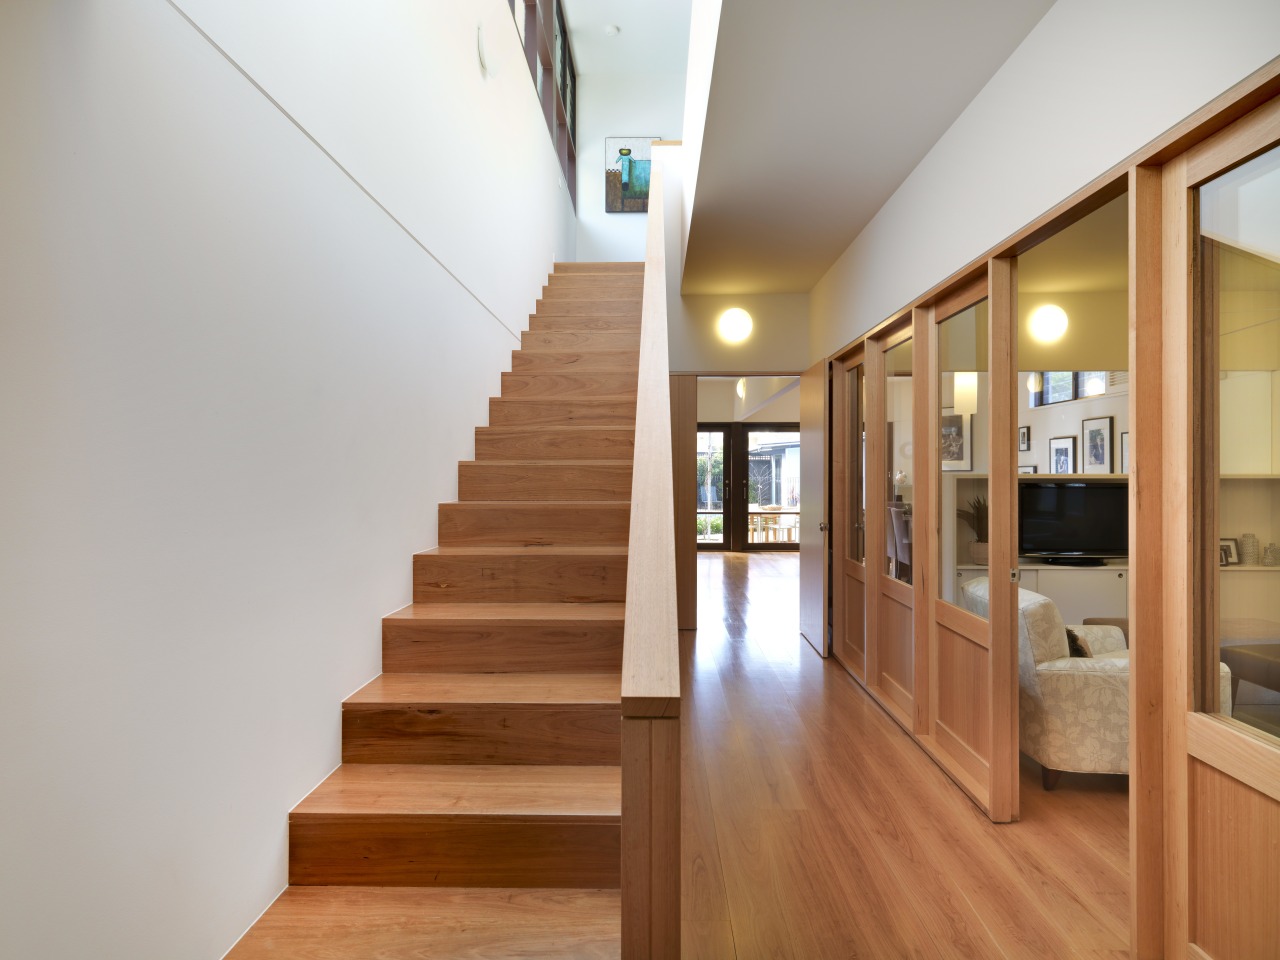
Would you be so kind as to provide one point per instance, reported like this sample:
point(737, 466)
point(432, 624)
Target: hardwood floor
point(815, 828)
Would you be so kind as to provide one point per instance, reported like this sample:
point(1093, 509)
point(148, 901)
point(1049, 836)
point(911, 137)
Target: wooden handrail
point(650, 654)
point(650, 651)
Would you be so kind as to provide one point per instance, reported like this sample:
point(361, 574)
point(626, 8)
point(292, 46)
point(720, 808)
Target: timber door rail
point(650, 654)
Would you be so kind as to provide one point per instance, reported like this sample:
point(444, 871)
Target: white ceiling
point(654, 35)
point(818, 110)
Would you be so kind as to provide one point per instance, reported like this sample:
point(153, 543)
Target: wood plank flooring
point(814, 828)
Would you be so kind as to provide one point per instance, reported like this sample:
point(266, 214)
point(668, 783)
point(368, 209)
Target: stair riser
point(555, 443)
point(582, 412)
point(584, 342)
point(437, 852)
point(621, 307)
point(554, 386)
point(556, 579)
point(617, 290)
point(586, 361)
point(562, 324)
point(482, 524)
point(470, 647)
point(504, 733)
point(624, 267)
point(608, 480)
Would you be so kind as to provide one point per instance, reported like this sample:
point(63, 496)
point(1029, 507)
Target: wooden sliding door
point(1214, 467)
point(966, 486)
point(891, 661)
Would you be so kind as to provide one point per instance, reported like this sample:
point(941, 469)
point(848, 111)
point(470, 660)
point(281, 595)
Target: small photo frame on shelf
point(1024, 439)
point(1228, 551)
point(956, 440)
point(1062, 455)
point(1095, 445)
point(1124, 452)
point(1029, 468)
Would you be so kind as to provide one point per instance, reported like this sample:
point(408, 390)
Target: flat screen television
point(1073, 522)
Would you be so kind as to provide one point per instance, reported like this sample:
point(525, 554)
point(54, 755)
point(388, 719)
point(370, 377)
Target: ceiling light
point(965, 392)
point(612, 30)
point(1048, 323)
point(734, 325)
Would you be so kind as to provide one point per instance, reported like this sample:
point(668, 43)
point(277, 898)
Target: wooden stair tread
point(552, 793)
point(401, 689)
point(412, 923)
point(514, 614)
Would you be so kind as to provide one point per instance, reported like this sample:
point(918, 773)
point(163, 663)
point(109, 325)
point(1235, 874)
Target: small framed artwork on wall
point(1062, 455)
point(956, 440)
point(1024, 439)
point(1028, 468)
point(1096, 447)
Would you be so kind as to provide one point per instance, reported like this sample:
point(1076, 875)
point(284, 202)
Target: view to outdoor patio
point(766, 490)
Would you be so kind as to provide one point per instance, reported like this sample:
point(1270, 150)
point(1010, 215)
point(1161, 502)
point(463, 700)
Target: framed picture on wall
point(1096, 445)
point(1024, 439)
point(1062, 455)
point(956, 440)
point(1228, 551)
point(1124, 452)
point(1028, 468)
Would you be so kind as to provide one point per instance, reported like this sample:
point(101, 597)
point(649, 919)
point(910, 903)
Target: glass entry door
point(748, 486)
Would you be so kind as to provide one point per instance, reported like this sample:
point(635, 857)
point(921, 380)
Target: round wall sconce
point(734, 325)
point(741, 388)
point(1048, 323)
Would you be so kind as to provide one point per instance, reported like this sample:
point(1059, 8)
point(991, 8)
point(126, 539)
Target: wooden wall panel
point(896, 654)
point(850, 642)
point(1235, 883)
point(964, 690)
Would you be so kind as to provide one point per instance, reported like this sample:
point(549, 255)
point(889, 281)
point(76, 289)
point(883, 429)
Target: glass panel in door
point(773, 487)
point(963, 443)
point(710, 492)
point(1239, 247)
point(898, 457)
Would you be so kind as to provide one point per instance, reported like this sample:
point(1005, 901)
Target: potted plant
point(976, 516)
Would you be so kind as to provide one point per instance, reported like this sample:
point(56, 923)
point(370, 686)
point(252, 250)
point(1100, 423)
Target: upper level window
point(1057, 386)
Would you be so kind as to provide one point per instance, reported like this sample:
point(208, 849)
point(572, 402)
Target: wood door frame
point(846, 473)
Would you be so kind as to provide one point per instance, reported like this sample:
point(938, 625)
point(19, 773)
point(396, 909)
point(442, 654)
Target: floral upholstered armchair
point(1073, 711)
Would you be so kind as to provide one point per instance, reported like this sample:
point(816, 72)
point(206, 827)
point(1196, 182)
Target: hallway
point(814, 828)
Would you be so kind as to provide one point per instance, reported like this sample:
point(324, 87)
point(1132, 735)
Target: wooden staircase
point(477, 809)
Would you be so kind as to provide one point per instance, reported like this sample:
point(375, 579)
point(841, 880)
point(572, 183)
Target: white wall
point(232, 391)
point(778, 342)
point(640, 105)
point(1092, 83)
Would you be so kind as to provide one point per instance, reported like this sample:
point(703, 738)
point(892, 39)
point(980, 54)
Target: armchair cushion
point(1101, 639)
